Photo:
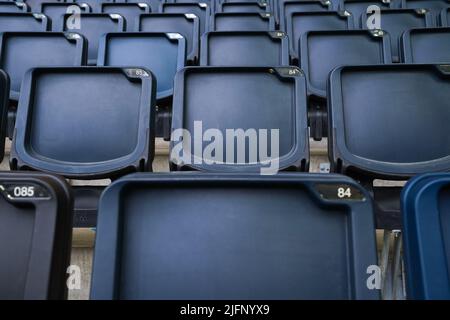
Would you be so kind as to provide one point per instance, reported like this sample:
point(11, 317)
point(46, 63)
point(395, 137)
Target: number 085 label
point(23, 191)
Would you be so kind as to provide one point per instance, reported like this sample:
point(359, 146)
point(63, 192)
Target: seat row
point(182, 236)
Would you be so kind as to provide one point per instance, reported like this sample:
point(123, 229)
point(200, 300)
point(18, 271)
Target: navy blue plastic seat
point(130, 11)
point(429, 45)
point(389, 121)
point(23, 22)
point(279, 4)
point(397, 21)
point(4, 98)
point(188, 25)
point(201, 10)
point(154, 4)
point(12, 6)
point(93, 26)
point(241, 98)
point(426, 209)
point(242, 21)
point(21, 51)
point(35, 236)
point(85, 122)
point(323, 51)
point(210, 3)
point(435, 6)
point(445, 18)
point(288, 7)
point(231, 237)
point(162, 53)
point(244, 7)
point(96, 5)
point(35, 5)
point(298, 23)
point(56, 11)
point(239, 48)
point(359, 7)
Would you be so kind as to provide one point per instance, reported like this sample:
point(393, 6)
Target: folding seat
point(396, 21)
point(429, 45)
point(21, 51)
point(93, 26)
point(56, 11)
point(232, 237)
point(298, 23)
point(35, 5)
point(201, 10)
point(154, 4)
point(288, 7)
point(426, 208)
point(267, 105)
point(244, 7)
point(242, 21)
point(23, 22)
point(35, 236)
point(130, 11)
point(322, 51)
point(244, 48)
point(4, 93)
point(210, 3)
point(435, 6)
point(359, 7)
point(96, 5)
point(11, 6)
point(309, 5)
point(162, 53)
point(186, 24)
point(85, 122)
point(389, 122)
point(445, 18)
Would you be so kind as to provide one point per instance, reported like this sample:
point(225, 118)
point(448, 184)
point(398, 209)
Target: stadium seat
point(35, 236)
point(21, 51)
point(96, 4)
point(298, 23)
point(93, 26)
point(4, 94)
point(242, 21)
point(186, 24)
point(211, 236)
point(201, 10)
point(426, 208)
point(435, 6)
point(130, 11)
point(162, 53)
point(396, 21)
point(240, 99)
point(85, 122)
point(430, 45)
point(244, 48)
point(359, 7)
point(322, 51)
point(444, 20)
point(56, 11)
point(210, 3)
point(288, 7)
point(244, 7)
point(12, 6)
point(35, 5)
point(23, 22)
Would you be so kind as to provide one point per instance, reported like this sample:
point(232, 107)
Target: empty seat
point(35, 236)
point(396, 21)
point(244, 48)
point(359, 7)
point(21, 51)
point(154, 4)
point(96, 5)
point(162, 53)
point(187, 25)
point(244, 7)
point(389, 121)
point(445, 18)
point(23, 22)
point(4, 95)
point(56, 11)
point(242, 21)
point(430, 45)
point(269, 104)
point(309, 6)
point(435, 6)
point(426, 208)
point(210, 3)
point(11, 6)
point(322, 51)
point(85, 122)
point(201, 10)
point(35, 5)
point(130, 11)
point(93, 26)
point(203, 236)
point(287, 7)
point(298, 23)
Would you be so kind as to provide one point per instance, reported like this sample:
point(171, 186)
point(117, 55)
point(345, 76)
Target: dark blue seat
point(232, 237)
point(23, 22)
point(154, 4)
point(244, 7)
point(201, 10)
point(435, 6)
point(21, 51)
point(359, 7)
point(211, 3)
point(56, 11)
point(162, 53)
point(11, 6)
point(85, 122)
point(426, 219)
point(242, 21)
point(93, 26)
point(35, 235)
point(239, 48)
point(35, 5)
point(445, 18)
point(130, 11)
point(429, 45)
point(4, 97)
point(96, 4)
point(288, 7)
point(188, 25)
